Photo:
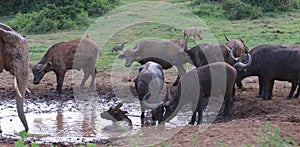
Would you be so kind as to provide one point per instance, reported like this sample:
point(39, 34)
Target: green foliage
point(93, 7)
point(54, 15)
point(236, 10)
point(274, 5)
point(208, 9)
point(50, 19)
point(241, 9)
point(272, 138)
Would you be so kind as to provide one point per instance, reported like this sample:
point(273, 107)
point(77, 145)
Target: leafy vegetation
point(253, 9)
point(271, 137)
point(59, 15)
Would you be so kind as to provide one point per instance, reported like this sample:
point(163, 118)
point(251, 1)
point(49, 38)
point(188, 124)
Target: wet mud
point(75, 118)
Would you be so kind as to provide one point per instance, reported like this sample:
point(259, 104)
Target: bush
point(271, 137)
point(93, 7)
point(274, 5)
point(236, 9)
point(50, 19)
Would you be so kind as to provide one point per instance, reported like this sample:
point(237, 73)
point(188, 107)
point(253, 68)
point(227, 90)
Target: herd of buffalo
point(218, 68)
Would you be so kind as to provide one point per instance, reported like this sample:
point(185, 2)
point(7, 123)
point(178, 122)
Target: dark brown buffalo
point(270, 63)
point(149, 85)
point(75, 54)
point(212, 80)
point(204, 54)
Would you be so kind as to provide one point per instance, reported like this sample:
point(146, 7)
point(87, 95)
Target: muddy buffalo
point(75, 54)
point(270, 63)
point(120, 120)
point(212, 80)
point(149, 85)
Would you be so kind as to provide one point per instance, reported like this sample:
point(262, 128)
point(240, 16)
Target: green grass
point(133, 24)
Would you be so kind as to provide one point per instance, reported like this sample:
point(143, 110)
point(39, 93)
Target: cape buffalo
point(149, 85)
point(204, 54)
point(269, 63)
point(212, 80)
point(118, 47)
point(75, 54)
point(165, 53)
point(121, 122)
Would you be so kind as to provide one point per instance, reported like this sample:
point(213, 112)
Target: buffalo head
point(39, 71)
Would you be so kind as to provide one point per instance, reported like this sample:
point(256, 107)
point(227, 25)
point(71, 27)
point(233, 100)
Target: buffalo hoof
point(259, 96)
point(289, 97)
point(191, 123)
point(296, 95)
point(57, 94)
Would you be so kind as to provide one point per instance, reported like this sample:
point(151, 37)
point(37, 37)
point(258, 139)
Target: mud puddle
point(70, 121)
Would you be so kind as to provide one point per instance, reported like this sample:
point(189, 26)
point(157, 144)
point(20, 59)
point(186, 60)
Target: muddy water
point(52, 121)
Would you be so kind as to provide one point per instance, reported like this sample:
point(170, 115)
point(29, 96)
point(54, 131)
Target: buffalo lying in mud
point(165, 53)
point(121, 122)
point(75, 54)
point(149, 85)
point(14, 58)
point(270, 63)
point(214, 80)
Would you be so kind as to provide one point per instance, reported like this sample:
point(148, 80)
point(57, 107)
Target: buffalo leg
point(260, 89)
point(93, 75)
point(199, 110)
point(181, 71)
point(298, 91)
point(60, 79)
point(293, 89)
point(85, 77)
point(193, 118)
point(176, 81)
point(269, 93)
point(228, 107)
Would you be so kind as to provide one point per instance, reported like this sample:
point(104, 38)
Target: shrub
point(50, 19)
point(272, 137)
point(93, 7)
point(274, 5)
point(236, 9)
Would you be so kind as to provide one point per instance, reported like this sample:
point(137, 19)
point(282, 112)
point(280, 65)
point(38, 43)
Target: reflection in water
point(54, 120)
point(59, 124)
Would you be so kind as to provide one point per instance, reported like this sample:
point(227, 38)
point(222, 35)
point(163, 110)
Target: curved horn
point(226, 38)
point(231, 55)
point(243, 65)
point(152, 106)
point(49, 63)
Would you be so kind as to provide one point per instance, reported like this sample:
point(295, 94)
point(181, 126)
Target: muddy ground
point(248, 119)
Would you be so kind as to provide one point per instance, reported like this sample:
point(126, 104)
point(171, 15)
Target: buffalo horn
point(243, 65)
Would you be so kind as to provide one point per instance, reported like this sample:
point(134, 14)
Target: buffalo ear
point(121, 56)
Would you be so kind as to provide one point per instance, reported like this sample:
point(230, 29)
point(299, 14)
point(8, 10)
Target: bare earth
point(248, 119)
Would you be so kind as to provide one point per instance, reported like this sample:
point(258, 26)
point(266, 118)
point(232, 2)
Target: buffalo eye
point(17, 56)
